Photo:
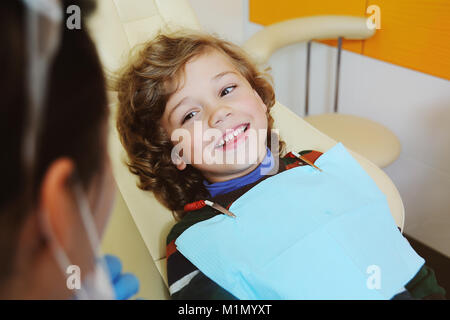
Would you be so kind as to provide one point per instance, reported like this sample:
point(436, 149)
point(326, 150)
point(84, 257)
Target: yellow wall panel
point(350, 45)
point(267, 12)
point(414, 34)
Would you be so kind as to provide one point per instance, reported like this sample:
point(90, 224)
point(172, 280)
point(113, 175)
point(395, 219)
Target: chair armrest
point(265, 42)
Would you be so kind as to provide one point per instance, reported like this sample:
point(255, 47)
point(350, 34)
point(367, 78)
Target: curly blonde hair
point(144, 87)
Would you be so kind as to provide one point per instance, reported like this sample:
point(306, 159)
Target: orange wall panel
point(267, 12)
point(414, 34)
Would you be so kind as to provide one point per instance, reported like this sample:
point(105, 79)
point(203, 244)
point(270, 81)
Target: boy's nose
point(219, 115)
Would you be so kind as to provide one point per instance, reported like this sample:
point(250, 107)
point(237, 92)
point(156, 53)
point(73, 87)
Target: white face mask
point(42, 37)
point(97, 284)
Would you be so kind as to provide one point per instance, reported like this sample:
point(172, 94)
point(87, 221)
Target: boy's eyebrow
point(176, 106)
point(221, 74)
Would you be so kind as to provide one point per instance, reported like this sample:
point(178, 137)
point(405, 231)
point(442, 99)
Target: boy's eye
point(189, 115)
point(227, 90)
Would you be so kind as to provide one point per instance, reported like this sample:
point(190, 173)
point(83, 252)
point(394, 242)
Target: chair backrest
point(119, 25)
point(116, 27)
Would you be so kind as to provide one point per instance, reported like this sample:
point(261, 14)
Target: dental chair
point(139, 223)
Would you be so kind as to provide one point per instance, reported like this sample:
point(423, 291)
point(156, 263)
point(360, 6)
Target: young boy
point(206, 92)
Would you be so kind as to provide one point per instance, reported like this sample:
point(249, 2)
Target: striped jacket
point(187, 282)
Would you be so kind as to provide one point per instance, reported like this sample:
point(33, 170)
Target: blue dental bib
point(306, 234)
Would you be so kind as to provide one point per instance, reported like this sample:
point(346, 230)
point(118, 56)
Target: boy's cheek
point(181, 152)
point(196, 154)
point(254, 104)
point(189, 152)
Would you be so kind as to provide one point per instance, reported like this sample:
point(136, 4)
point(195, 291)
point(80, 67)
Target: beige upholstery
point(384, 147)
point(121, 23)
point(265, 42)
point(118, 25)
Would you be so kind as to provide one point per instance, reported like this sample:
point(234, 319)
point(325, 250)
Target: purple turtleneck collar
point(227, 186)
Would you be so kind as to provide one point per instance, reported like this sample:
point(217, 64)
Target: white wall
point(415, 106)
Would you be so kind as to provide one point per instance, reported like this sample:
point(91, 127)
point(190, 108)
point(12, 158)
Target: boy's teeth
point(231, 135)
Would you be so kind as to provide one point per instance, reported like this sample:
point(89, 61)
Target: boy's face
point(221, 119)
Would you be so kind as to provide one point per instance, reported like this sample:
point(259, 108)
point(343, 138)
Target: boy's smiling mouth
point(231, 137)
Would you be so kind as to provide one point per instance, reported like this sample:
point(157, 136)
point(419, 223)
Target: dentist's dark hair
point(74, 118)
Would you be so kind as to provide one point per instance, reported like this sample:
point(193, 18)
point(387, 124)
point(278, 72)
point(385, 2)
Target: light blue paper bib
point(305, 234)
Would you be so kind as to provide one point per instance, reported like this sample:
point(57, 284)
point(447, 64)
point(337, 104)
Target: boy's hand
point(125, 285)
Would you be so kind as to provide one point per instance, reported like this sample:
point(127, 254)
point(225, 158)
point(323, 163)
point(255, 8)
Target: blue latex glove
point(125, 285)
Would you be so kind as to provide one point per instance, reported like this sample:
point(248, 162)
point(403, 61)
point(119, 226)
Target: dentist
point(57, 189)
